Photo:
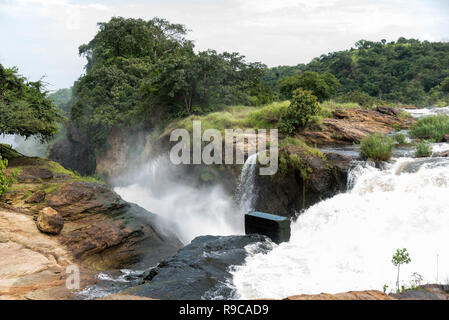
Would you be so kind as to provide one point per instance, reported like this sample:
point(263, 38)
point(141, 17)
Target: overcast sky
point(41, 37)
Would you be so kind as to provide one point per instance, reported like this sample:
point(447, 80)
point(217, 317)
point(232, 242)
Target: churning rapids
point(347, 242)
point(340, 244)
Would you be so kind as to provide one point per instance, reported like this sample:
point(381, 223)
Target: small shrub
point(396, 127)
point(404, 115)
point(433, 128)
point(5, 180)
point(400, 138)
point(423, 149)
point(303, 106)
point(377, 147)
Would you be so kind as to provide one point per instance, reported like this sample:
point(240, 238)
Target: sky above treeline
point(41, 37)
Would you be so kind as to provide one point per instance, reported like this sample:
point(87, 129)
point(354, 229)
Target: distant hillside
point(403, 71)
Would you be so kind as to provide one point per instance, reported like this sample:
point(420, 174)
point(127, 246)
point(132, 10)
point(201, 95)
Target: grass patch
point(431, 128)
point(235, 117)
point(377, 147)
point(400, 138)
point(423, 149)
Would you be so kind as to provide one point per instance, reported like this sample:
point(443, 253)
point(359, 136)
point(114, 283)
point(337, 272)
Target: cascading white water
point(193, 210)
point(425, 112)
point(347, 242)
point(246, 190)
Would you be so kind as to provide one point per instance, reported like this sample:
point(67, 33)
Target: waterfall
point(247, 189)
point(347, 242)
point(194, 211)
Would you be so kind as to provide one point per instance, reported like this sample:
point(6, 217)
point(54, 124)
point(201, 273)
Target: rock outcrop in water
point(351, 126)
point(101, 231)
point(199, 270)
point(425, 292)
point(292, 193)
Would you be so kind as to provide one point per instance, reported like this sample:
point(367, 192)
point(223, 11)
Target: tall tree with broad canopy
point(25, 108)
point(139, 73)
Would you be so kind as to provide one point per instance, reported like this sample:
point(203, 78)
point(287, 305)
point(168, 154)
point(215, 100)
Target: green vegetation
point(377, 147)
point(5, 180)
point(25, 108)
point(323, 86)
point(234, 117)
point(400, 257)
point(62, 100)
point(423, 149)
point(400, 138)
point(407, 71)
point(140, 73)
point(303, 106)
point(433, 128)
point(361, 98)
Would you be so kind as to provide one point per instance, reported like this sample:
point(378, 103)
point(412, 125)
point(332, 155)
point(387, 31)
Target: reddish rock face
point(36, 197)
point(50, 221)
point(351, 295)
point(100, 230)
point(351, 126)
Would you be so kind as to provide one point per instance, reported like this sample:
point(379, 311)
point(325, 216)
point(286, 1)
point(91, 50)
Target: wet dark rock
point(199, 270)
point(446, 137)
point(388, 110)
point(291, 194)
point(73, 151)
point(425, 292)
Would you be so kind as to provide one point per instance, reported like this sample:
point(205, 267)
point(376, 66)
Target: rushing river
point(340, 244)
point(347, 242)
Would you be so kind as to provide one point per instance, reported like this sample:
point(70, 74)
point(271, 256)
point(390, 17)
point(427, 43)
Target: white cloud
point(45, 34)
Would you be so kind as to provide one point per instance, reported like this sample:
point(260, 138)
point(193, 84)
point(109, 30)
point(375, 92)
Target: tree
point(407, 71)
point(302, 107)
point(323, 86)
point(61, 98)
point(199, 83)
point(400, 257)
point(139, 73)
point(25, 108)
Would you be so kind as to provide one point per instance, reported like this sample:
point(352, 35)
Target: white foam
point(347, 242)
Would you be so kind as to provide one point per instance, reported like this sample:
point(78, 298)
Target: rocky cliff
point(100, 230)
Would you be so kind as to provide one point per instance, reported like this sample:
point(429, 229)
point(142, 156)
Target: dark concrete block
point(277, 228)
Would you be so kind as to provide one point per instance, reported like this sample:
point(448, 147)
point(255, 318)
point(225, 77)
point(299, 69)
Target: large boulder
point(50, 221)
point(200, 269)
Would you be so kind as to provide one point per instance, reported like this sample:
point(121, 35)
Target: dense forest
point(139, 72)
point(143, 73)
point(406, 71)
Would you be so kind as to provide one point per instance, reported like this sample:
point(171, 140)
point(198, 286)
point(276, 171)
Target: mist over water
point(347, 242)
point(192, 210)
point(30, 147)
